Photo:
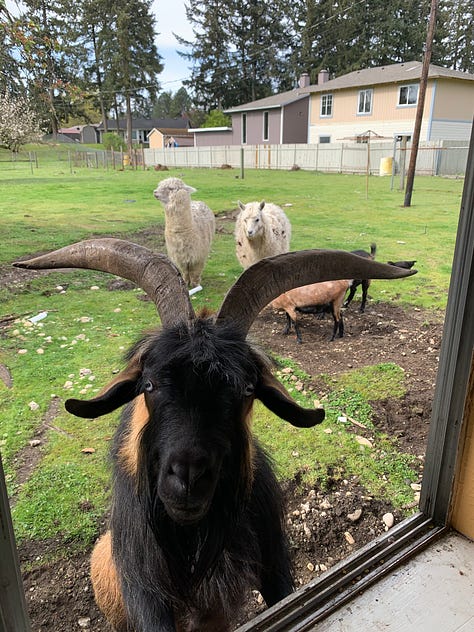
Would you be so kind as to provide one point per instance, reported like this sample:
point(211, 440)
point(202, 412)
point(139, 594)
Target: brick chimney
point(303, 81)
point(323, 76)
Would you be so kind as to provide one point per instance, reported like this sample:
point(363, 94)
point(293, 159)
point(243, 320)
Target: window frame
point(369, 92)
point(408, 104)
point(324, 105)
point(324, 142)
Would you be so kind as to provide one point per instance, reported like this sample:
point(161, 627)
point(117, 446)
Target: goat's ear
point(262, 204)
point(274, 396)
point(118, 392)
point(241, 206)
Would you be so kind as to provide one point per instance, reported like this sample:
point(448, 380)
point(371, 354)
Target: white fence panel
point(435, 158)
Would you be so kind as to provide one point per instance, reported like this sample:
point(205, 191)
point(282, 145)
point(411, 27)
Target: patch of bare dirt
point(324, 527)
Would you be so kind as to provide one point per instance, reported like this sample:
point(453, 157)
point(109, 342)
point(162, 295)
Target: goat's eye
point(249, 389)
point(148, 386)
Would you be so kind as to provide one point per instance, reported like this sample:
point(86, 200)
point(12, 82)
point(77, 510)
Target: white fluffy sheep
point(189, 228)
point(261, 230)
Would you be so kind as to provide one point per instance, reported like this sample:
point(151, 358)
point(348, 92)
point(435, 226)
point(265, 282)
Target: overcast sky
point(171, 18)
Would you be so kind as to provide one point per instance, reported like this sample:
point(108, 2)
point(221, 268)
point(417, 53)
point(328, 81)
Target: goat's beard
point(193, 550)
point(190, 551)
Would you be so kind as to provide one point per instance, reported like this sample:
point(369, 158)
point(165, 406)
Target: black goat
point(407, 265)
point(364, 282)
point(197, 513)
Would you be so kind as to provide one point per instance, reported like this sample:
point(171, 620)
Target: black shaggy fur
point(408, 265)
point(199, 385)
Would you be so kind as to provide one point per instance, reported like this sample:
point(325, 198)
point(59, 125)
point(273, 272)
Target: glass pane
point(368, 100)
point(412, 94)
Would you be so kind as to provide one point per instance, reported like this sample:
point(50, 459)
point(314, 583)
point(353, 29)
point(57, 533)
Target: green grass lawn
point(74, 351)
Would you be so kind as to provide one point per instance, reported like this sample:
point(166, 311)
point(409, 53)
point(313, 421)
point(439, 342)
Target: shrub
point(111, 140)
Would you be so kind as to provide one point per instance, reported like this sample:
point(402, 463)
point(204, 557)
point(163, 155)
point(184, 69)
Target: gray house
point(141, 128)
point(279, 119)
point(80, 133)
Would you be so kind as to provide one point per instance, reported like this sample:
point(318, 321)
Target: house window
point(324, 139)
point(408, 95)
point(244, 128)
point(265, 126)
point(365, 102)
point(326, 105)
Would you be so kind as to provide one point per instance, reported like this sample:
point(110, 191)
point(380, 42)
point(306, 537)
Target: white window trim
point(323, 96)
point(408, 105)
point(371, 92)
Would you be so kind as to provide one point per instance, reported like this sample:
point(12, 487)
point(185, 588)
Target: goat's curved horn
point(153, 272)
point(265, 280)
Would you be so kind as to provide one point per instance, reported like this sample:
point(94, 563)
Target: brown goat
point(313, 299)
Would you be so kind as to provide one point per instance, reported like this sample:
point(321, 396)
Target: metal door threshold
point(300, 611)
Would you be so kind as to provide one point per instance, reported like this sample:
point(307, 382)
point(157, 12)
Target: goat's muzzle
point(187, 484)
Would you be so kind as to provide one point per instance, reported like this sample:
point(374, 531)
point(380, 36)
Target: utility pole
point(421, 102)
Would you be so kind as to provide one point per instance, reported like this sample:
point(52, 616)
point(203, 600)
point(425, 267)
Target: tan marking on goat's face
point(129, 450)
point(106, 583)
point(247, 465)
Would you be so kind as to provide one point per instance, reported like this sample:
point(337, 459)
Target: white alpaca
point(261, 230)
point(189, 228)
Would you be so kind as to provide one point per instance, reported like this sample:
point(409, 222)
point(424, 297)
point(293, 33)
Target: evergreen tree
point(132, 63)
point(93, 32)
point(210, 52)
point(348, 35)
point(163, 105)
point(239, 51)
point(169, 105)
point(457, 18)
point(47, 69)
point(182, 103)
point(10, 65)
point(258, 36)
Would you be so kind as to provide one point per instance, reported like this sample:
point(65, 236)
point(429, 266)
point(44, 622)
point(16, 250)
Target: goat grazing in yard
point(363, 282)
point(261, 230)
point(315, 298)
point(197, 515)
point(189, 228)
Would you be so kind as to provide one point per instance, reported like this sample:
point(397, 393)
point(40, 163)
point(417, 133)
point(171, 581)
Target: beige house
point(384, 100)
point(166, 137)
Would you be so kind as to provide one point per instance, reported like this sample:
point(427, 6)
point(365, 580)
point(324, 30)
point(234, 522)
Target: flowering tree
point(18, 122)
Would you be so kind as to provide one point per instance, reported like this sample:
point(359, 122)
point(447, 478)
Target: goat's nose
point(189, 472)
